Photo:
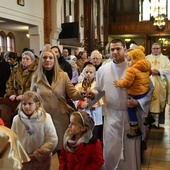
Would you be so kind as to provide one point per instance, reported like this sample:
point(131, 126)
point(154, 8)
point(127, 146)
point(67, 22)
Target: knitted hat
point(137, 54)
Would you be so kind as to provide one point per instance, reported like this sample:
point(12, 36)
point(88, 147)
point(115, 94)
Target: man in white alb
point(160, 66)
point(120, 152)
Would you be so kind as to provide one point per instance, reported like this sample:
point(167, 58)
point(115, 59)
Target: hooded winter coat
point(137, 79)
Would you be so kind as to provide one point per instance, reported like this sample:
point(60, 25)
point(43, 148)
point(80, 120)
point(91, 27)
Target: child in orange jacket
point(137, 84)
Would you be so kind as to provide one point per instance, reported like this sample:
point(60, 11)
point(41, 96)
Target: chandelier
point(159, 21)
point(158, 12)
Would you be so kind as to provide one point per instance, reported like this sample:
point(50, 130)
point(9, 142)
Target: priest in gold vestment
point(160, 66)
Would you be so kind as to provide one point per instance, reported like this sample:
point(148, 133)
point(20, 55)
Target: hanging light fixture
point(158, 12)
point(159, 21)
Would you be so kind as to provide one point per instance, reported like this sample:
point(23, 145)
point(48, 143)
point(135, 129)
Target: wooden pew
point(8, 110)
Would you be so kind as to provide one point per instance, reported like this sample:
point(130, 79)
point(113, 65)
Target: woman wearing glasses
point(20, 78)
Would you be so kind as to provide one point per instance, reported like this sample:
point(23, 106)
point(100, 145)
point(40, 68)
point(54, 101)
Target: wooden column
point(76, 10)
point(105, 20)
point(64, 11)
point(47, 21)
point(98, 22)
point(69, 7)
point(89, 27)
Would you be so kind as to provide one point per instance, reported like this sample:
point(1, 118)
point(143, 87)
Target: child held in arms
point(136, 82)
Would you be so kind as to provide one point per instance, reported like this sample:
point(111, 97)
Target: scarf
point(24, 67)
point(13, 65)
point(30, 122)
point(70, 145)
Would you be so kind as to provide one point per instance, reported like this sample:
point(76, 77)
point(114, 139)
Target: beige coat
point(19, 80)
point(12, 153)
point(54, 100)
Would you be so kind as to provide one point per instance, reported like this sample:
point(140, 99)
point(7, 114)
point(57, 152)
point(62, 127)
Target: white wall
point(32, 13)
point(35, 6)
point(20, 38)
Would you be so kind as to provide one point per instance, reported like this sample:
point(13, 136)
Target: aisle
point(157, 155)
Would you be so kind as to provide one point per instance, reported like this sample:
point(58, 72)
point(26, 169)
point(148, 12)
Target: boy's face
point(11, 61)
point(90, 72)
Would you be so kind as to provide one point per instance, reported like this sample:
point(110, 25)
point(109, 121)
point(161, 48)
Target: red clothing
point(87, 157)
point(1, 122)
point(79, 104)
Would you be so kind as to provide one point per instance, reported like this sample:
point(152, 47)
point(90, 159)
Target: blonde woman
point(53, 85)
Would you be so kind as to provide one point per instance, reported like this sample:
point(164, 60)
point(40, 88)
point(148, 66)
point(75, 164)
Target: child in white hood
point(74, 66)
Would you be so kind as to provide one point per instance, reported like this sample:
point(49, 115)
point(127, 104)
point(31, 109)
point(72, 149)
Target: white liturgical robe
point(120, 152)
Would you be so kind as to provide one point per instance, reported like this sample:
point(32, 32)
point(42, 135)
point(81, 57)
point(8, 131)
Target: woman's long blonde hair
point(40, 71)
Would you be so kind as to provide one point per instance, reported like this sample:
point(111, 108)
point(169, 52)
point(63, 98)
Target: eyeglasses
point(155, 48)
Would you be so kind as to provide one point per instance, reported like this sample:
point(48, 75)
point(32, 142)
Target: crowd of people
point(91, 113)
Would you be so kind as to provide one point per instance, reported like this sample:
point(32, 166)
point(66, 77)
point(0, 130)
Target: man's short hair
point(12, 55)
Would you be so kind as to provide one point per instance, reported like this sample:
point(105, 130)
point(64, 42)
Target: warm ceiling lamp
point(158, 12)
point(159, 21)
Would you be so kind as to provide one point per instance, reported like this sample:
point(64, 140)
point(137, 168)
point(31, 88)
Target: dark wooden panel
point(145, 27)
point(76, 10)
point(47, 21)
